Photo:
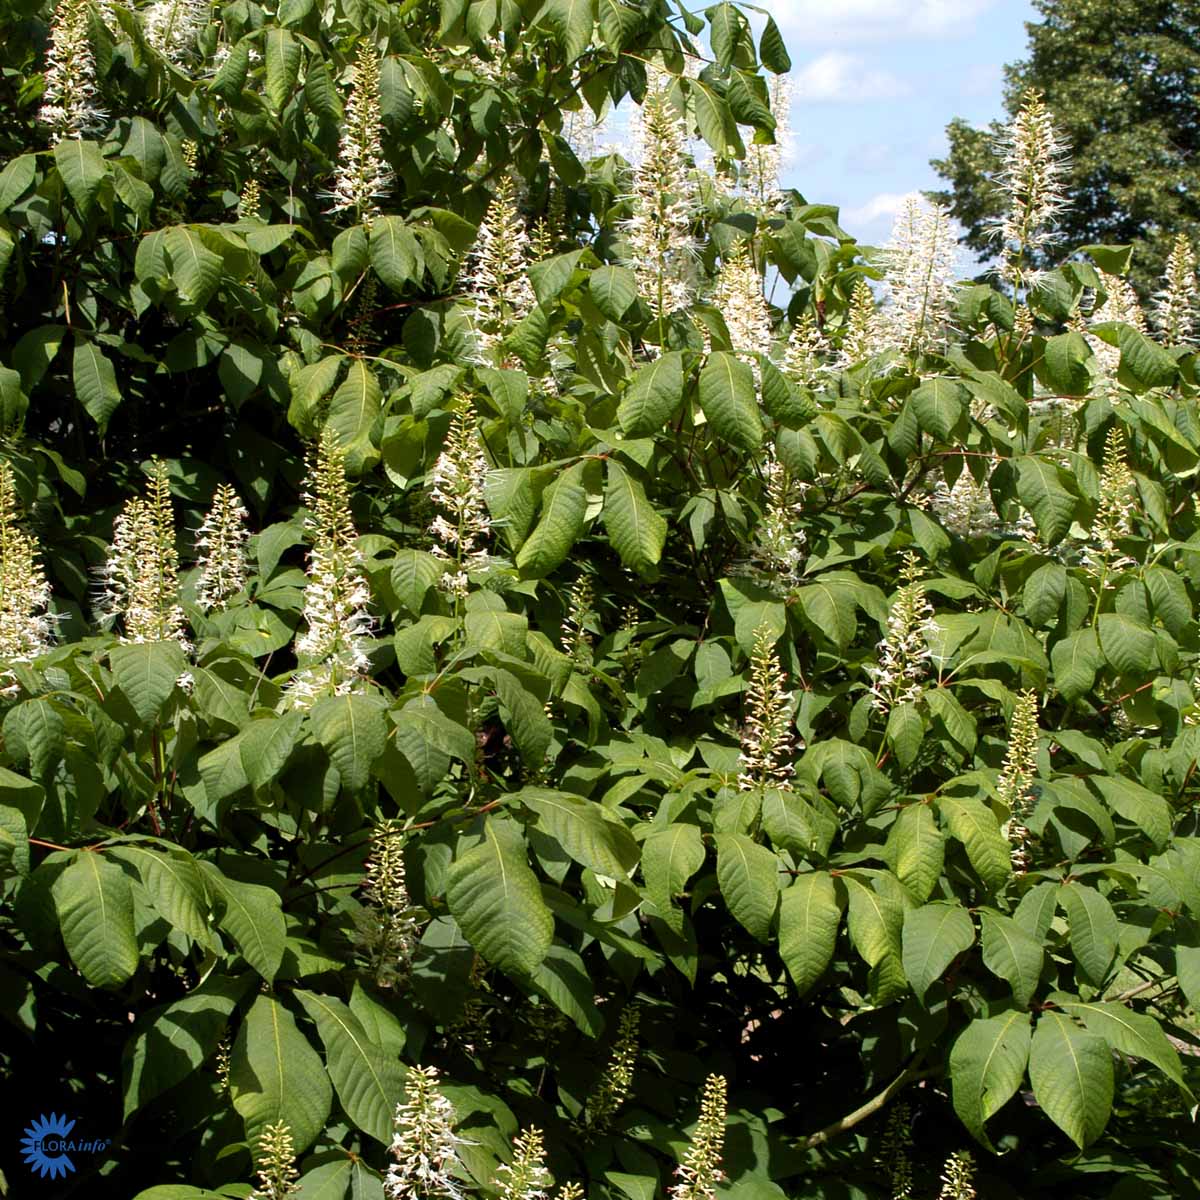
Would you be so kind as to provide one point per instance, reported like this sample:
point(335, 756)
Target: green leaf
point(16, 179)
point(1126, 643)
point(1148, 813)
point(987, 1064)
point(809, 914)
point(905, 732)
point(728, 400)
point(283, 66)
point(94, 901)
point(253, 916)
point(916, 850)
point(939, 406)
point(564, 505)
point(636, 531)
point(194, 268)
point(95, 382)
point(1129, 1033)
point(1010, 952)
point(276, 1076)
point(524, 716)
point(653, 396)
point(1072, 1076)
point(1042, 488)
point(1075, 661)
point(82, 167)
point(265, 746)
point(175, 1040)
point(395, 253)
point(1095, 931)
point(1145, 359)
point(748, 875)
point(933, 936)
point(975, 825)
point(146, 673)
point(175, 884)
point(353, 731)
point(571, 22)
point(497, 901)
point(34, 731)
point(369, 1082)
point(354, 413)
point(614, 289)
point(715, 121)
point(670, 857)
point(581, 829)
point(1065, 364)
point(1043, 593)
point(428, 738)
point(876, 923)
point(414, 572)
point(773, 50)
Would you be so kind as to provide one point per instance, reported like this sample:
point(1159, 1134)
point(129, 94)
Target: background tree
point(1121, 80)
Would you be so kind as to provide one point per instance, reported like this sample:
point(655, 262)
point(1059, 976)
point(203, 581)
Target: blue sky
point(876, 82)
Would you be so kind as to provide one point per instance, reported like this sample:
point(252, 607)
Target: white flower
point(700, 1171)
point(1033, 178)
point(363, 176)
point(768, 742)
point(1120, 304)
point(141, 574)
point(1017, 775)
point(424, 1143)
point(1175, 307)
point(69, 96)
point(966, 508)
point(221, 540)
point(777, 554)
point(25, 627)
point(331, 653)
point(920, 260)
point(274, 1160)
point(172, 26)
point(463, 527)
point(904, 652)
point(386, 928)
point(861, 332)
point(661, 246)
point(805, 347)
point(501, 294)
point(738, 296)
point(525, 1178)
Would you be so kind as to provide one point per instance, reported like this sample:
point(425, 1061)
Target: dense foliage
point(512, 691)
point(1122, 80)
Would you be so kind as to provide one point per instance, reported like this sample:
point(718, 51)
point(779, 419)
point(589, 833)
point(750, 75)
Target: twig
point(909, 1075)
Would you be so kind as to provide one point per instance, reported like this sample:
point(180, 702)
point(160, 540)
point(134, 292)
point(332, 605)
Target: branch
point(909, 1075)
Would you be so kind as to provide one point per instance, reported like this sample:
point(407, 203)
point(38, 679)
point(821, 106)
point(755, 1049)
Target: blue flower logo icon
point(43, 1146)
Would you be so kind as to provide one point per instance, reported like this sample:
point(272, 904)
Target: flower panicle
point(386, 930)
point(171, 27)
point(526, 1177)
point(1015, 782)
point(861, 333)
point(577, 638)
point(1177, 305)
point(610, 1093)
point(424, 1143)
point(904, 654)
point(140, 578)
point(965, 508)
point(921, 260)
point(738, 296)
point(1113, 519)
point(26, 628)
point(363, 176)
point(1033, 178)
point(221, 540)
point(498, 275)
point(331, 652)
point(777, 554)
point(768, 741)
point(804, 354)
point(69, 105)
point(958, 1177)
point(895, 1151)
point(700, 1171)
point(462, 528)
point(275, 1158)
point(661, 245)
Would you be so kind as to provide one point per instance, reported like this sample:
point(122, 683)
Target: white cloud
point(860, 20)
point(885, 204)
point(839, 78)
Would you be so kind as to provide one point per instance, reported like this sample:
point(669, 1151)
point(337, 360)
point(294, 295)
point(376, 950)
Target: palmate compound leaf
point(1071, 1072)
point(809, 914)
point(368, 1080)
point(986, 1066)
point(94, 900)
point(1128, 1032)
point(275, 1075)
point(749, 877)
point(933, 936)
point(175, 884)
point(497, 901)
